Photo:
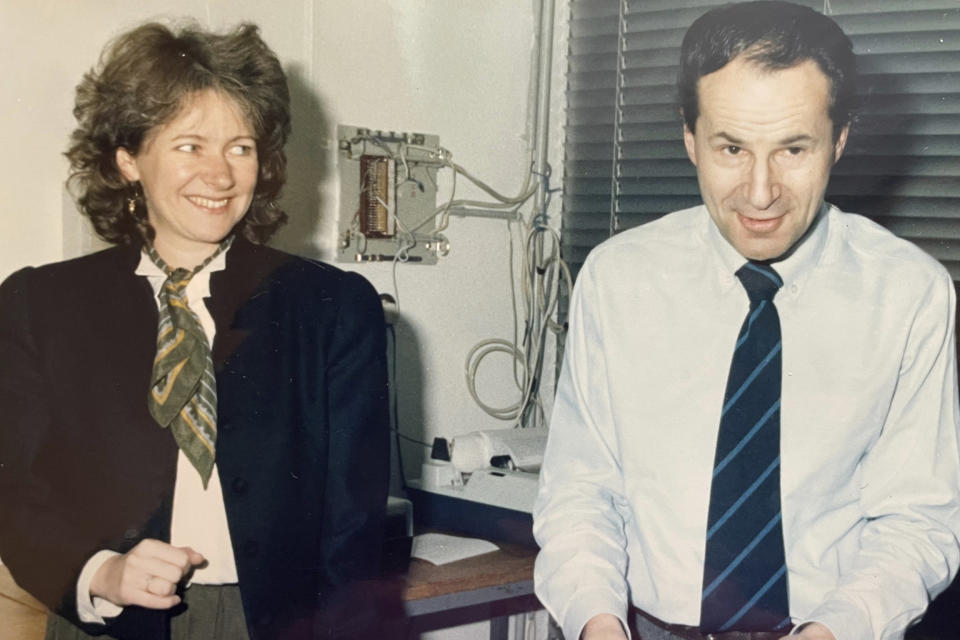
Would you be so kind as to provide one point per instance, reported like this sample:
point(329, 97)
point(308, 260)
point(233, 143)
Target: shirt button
point(794, 288)
point(239, 485)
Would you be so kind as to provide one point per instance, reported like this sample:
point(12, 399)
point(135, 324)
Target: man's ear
point(690, 143)
point(127, 165)
point(839, 145)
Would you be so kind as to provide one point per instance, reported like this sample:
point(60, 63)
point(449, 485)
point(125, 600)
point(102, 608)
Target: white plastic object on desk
point(437, 474)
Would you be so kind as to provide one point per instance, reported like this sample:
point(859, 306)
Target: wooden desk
point(490, 586)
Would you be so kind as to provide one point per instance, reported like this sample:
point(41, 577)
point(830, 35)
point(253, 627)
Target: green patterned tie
point(183, 388)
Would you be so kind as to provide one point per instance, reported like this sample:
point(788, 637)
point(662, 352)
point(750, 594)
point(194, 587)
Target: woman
point(153, 486)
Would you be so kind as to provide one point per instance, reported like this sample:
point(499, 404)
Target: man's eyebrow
point(800, 137)
point(726, 137)
point(723, 136)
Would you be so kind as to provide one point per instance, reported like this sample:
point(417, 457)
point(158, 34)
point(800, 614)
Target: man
point(755, 433)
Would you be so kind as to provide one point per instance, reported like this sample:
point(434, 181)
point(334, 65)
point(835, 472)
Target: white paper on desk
point(439, 548)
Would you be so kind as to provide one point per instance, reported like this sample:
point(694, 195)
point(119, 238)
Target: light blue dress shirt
point(869, 426)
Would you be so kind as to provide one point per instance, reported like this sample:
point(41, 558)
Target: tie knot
point(180, 275)
point(760, 280)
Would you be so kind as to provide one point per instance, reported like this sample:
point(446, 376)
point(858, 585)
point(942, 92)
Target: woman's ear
point(127, 165)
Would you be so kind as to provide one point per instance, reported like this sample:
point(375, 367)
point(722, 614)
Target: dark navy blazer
point(302, 445)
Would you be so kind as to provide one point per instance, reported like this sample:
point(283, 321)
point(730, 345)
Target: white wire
point(513, 298)
point(545, 279)
point(502, 202)
point(442, 157)
point(553, 268)
point(396, 289)
point(527, 351)
point(476, 355)
point(525, 192)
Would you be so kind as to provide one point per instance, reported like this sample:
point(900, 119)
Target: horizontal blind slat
point(841, 10)
point(903, 22)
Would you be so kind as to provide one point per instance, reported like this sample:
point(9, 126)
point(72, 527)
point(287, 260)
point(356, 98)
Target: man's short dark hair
point(774, 35)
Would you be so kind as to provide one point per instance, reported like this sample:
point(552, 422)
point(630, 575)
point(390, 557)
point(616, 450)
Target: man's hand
point(604, 626)
point(146, 576)
point(812, 631)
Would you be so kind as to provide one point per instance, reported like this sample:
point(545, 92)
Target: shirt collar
point(199, 286)
point(795, 268)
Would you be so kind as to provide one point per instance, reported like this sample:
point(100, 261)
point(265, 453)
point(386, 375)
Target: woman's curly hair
point(142, 81)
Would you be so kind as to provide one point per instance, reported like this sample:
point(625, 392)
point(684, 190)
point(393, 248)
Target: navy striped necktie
point(744, 576)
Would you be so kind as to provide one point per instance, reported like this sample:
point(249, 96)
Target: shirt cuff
point(843, 620)
point(587, 604)
point(94, 609)
point(803, 625)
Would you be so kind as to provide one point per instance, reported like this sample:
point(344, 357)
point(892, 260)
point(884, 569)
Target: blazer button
point(131, 534)
point(239, 485)
point(225, 425)
point(251, 548)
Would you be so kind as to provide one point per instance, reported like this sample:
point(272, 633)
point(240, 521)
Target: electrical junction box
point(388, 196)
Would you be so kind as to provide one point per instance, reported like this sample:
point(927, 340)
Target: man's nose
point(763, 187)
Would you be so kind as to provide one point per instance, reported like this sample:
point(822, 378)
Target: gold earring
point(131, 205)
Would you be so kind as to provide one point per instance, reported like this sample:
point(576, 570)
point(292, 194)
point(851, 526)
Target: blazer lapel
point(133, 321)
point(248, 267)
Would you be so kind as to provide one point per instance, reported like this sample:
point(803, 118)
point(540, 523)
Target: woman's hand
point(146, 576)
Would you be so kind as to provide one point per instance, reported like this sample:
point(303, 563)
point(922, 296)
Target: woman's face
point(198, 172)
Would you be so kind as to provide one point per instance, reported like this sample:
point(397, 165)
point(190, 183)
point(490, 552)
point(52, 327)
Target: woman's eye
point(189, 147)
point(241, 149)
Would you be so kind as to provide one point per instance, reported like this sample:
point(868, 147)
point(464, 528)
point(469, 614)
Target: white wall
point(455, 68)
point(459, 70)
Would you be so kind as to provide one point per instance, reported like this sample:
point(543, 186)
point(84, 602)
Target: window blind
point(624, 161)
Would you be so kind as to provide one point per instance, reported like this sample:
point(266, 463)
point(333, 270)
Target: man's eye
point(795, 151)
point(732, 149)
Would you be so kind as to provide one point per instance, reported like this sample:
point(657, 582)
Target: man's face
point(763, 150)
